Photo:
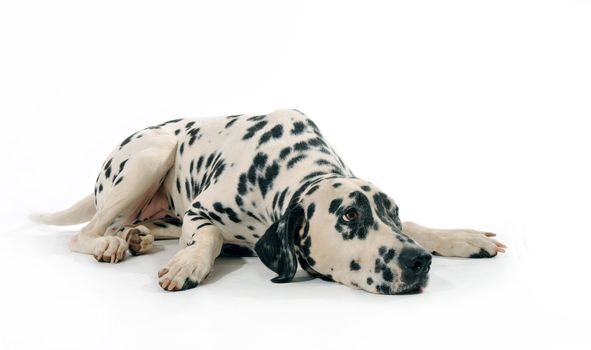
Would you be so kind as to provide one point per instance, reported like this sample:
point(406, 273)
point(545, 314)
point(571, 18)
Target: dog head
point(348, 231)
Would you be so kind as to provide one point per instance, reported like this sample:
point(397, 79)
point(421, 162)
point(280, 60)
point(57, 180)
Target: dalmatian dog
point(265, 184)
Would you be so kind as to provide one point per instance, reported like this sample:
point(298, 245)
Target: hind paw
point(110, 249)
point(139, 239)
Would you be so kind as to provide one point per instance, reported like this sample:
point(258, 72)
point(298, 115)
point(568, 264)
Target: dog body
point(271, 183)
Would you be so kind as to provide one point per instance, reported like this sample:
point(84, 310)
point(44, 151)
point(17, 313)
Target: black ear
point(276, 248)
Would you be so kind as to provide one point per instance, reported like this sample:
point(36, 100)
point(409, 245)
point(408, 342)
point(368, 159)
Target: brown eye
point(351, 214)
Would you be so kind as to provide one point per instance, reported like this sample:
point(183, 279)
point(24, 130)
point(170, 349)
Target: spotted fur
point(269, 184)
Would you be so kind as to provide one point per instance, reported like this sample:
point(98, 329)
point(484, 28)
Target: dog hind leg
point(136, 184)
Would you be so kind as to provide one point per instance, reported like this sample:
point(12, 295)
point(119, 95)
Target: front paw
point(185, 270)
point(469, 244)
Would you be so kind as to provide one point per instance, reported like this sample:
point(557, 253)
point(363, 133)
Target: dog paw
point(185, 270)
point(469, 244)
point(110, 249)
point(139, 239)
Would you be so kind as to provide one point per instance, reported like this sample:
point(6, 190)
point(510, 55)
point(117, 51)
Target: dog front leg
point(202, 243)
point(464, 243)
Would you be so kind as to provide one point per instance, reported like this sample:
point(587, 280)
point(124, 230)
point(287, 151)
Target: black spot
point(282, 198)
point(294, 160)
point(354, 266)
point(239, 200)
point(389, 255)
point(182, 148)
point(217, 206)
point(122, 165)
point(379, 265)
point(298, 128)
point(194, 135)
point(326, 162)
point(159, 224)
point(435, 253)
point(177, 131)
point(310, 211)
point(312, 190)
point(260, 160)
point(313, 175)
point(387, 275)
point(189, 125)
point(284, 153)
point(301, 146)
point(383, 288)
point(100, 189)
point(365, 188)
point(229, 124)
point(189, 283)
point(306, 230)
point(481, 254)
point(209, 160)
point(315, 142)
point(218, 170)
point(107, 164)
point(168, 122)
point(253, 216)
point(336, 184)
point(257, 117)
point(188, 188)
point(118, 180)
point(204, 224)
point(275, 133)
point(240, 237)
point(253, 129)
point(369, 281)
point(250, 227)
point(215, 217)
point(334, 205)
point(233, 119)
point(242, 184)
point(266, 182)
point(200, 162)
point(126, 141)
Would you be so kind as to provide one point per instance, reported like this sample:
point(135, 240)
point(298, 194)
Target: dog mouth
point(414, 288)
point(410, 291)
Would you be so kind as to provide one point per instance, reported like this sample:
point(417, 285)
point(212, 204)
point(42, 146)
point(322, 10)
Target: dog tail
point(78, 213)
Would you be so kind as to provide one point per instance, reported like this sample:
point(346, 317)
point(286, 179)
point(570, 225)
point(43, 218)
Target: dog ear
point(276, 247)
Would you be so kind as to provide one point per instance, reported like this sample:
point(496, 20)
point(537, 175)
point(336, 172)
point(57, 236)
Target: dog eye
point(351, 214)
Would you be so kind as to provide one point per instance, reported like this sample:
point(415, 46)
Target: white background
point(468, 113)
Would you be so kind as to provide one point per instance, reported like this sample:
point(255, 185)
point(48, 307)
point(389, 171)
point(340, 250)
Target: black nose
point(415, 263)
